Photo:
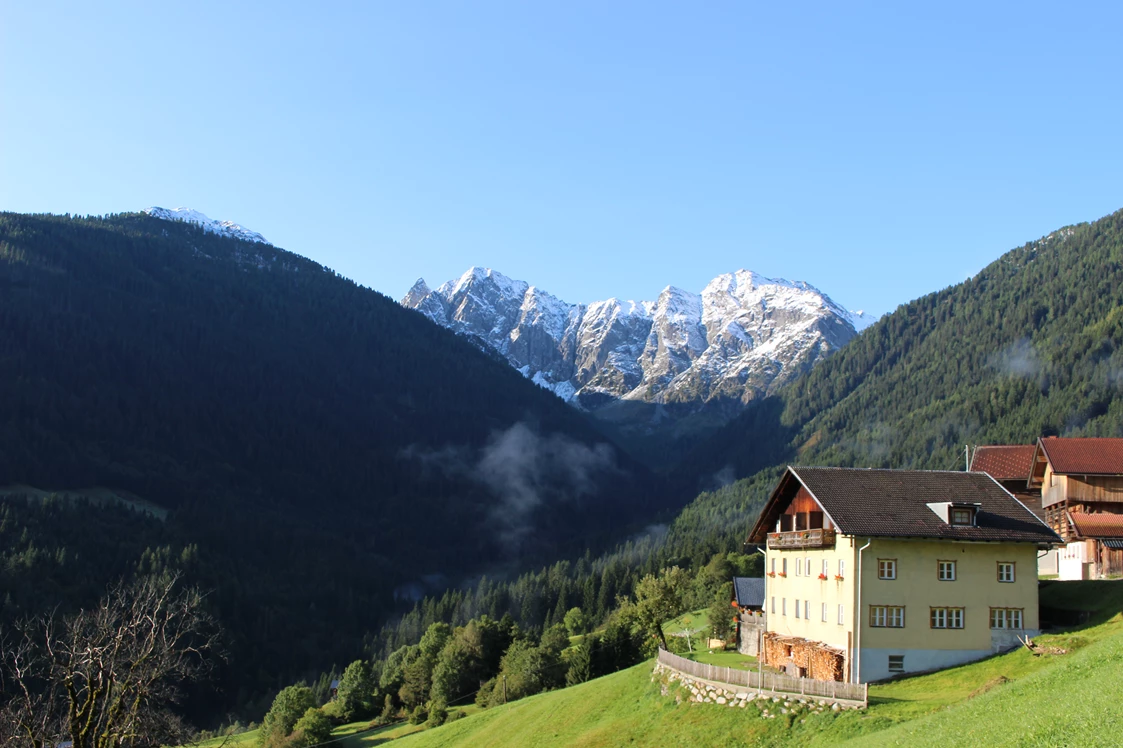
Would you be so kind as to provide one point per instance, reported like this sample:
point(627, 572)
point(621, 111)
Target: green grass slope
point(1066, 696)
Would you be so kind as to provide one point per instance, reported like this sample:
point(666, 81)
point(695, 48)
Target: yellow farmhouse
point(872, 573)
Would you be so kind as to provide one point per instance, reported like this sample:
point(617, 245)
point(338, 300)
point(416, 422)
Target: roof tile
point(1097, 525)
point(1004, 461)
point(1085, 456)
point(893, 503)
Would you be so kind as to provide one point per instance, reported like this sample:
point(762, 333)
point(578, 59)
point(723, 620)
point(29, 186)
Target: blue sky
point(876, 150)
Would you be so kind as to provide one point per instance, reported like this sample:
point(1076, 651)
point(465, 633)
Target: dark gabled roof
point(1086, 456)
point(893, 503)
point(1004, 461)
point(748, 592)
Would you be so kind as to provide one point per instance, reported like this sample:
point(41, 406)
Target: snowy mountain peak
point(742, 336)
point(223, 228)
point(862, 319)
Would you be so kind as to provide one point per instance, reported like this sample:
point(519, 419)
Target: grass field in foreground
point(1013, 699)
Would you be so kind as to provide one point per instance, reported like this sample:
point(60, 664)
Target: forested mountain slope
point(1033, 344)
point(318, 448)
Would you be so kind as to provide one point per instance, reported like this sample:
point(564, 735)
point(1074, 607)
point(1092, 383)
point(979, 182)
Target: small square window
point(896, 663)
point(947, 571)
point(1005, 571)
point(962, 517)
point(887, 568)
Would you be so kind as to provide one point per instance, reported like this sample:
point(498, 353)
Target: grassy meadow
point(1066, 695)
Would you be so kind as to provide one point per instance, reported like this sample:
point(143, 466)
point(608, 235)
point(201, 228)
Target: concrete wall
point(751, 628)
point(874, 661)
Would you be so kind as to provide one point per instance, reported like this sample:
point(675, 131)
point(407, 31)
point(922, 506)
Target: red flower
point(823, 577)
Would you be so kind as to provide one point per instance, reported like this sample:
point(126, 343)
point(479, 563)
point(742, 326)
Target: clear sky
point(876, 150)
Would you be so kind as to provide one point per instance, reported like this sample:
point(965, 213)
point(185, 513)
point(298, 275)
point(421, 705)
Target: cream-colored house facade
point(872, 573)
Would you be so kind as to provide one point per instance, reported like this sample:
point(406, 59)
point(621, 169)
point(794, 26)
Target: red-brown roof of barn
point(1083, 456)
point(1097, 525)
point(1004, 461)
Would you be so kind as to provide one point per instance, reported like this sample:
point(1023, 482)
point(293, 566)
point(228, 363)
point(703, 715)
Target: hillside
point(317, 451)
point(1013, 699)
point(1031, 345)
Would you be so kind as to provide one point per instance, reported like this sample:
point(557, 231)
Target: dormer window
point(963, 516)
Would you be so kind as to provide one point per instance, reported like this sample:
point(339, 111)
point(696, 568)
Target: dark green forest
point(320, 450)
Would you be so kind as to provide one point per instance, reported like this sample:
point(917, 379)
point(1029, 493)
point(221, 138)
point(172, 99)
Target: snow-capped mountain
point(741, 337)
point(224, 228)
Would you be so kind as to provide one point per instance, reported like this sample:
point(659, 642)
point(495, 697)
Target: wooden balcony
point(801, 539)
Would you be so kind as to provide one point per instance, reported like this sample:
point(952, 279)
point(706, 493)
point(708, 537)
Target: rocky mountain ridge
point(741, 337)
point(211, 226)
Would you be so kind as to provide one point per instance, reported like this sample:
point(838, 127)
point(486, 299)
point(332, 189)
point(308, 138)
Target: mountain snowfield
point(223, 228)
point(741, 337)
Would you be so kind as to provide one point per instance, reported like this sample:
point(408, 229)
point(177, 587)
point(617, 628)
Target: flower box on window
point(824, 577)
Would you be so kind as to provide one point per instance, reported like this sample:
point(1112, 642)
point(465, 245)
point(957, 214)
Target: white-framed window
point(1006, 618)
point(799, 567)
point(773, 603)
point(807, 566)
point(841, 615)
point(962, 517)
point(826, 567)
point(947, 618)
point(1005, 571)
point(824, 612)
point(797, 608)
point(783, 606)
point(784, 566)
point(807, 609)
point(887, 568)
point(946, 571)
point(841, 568)
point(887, 616)
point(773, 569)
point(896, 663)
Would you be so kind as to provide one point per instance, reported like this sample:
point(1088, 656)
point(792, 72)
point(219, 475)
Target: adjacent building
point(748, 600)
point(1010, 465)
point(871, 573)
point(1080, 482)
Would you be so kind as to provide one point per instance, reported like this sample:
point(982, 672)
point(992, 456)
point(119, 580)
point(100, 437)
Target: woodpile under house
point(804, 658)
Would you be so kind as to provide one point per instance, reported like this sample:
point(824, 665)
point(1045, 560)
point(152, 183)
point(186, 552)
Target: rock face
point(742, 337)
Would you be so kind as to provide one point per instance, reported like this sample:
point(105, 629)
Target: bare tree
point(105, 677)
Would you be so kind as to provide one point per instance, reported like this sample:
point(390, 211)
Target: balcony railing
point(820, 538)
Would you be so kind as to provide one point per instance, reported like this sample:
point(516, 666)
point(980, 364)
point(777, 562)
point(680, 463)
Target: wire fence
point(821, 689)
